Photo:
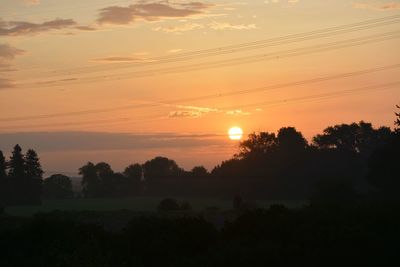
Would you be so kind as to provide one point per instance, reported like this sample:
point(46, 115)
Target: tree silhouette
point(3, 167)
point(133, 173)
point(159, 168)
point(3, 181)
point(291, 140)
point(16, 164)
point(199, 172)
point(359, 138)
point(106, 179)
point(33, 169)
point(90, 182)
point(397, 122)
point(33, 174)
point(257, 144)
point(57, 186)
point(383, 166)
point(383, 169)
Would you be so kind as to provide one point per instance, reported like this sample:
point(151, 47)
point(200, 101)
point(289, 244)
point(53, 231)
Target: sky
point(125, 81)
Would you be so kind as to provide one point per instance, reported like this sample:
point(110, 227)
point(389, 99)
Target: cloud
point(184, 114)
point(218, 26)
point(89, 141)
point(229, 26)
point(8, 52)
point(121, 59)
point(16, 28)
point(379, 6)
point(191, 111)
point(179, 28)
point(237, 112)
point(149, 12)
point(86, 28)
point(6, 83)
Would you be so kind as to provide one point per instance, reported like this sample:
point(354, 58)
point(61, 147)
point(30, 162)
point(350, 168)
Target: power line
point(318, 96)
point(293, 38)
point(210, 96)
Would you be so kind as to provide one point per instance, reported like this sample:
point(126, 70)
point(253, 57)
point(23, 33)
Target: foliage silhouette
point(23, 183)
point(57, 186)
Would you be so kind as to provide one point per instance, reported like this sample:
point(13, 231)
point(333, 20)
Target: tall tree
point(397, 122)
point(33, 168)
point(3, 180)
point(34, 175)
point(17, 163)
point(3, 166)
point(90, 181)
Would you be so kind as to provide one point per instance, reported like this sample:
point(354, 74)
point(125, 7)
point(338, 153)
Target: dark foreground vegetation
point(361, 236)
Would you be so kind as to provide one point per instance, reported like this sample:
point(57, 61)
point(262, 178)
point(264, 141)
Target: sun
point(235, 133)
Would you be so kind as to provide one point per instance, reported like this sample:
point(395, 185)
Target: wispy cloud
point(15, 28)
point(150, 12)
point(6, 83)
point(86, 141)
point(19, 28)
point(179, 28)
point(230, 26)
point(191, 111)
point(217, 26)
point(379, 6)
point(237, 112)
point(197, 112)
point(121, 59)
point(8, 52)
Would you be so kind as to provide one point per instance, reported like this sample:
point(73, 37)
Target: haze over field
point(125, 81)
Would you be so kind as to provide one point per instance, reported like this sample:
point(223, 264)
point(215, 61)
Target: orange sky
point(182, 70)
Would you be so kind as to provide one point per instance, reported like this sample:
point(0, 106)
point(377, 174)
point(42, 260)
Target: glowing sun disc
point(235, 133)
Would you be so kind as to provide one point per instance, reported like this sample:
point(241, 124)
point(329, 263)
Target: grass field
point(133, 204)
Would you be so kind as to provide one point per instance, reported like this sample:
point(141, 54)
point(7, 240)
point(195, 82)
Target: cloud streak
point(89, 141)
point(21, 28)
point(17, 28)
point(8, 52)
point(149, 12)
point(6, 83)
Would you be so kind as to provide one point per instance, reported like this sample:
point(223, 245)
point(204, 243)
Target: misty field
point(145, 204)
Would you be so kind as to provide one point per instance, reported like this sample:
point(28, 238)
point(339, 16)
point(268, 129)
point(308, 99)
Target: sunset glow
point(163, 71)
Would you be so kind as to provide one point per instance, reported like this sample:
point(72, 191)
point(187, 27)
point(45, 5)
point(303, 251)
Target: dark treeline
point(20, 178)
point(342, 163)
point(345, 160)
